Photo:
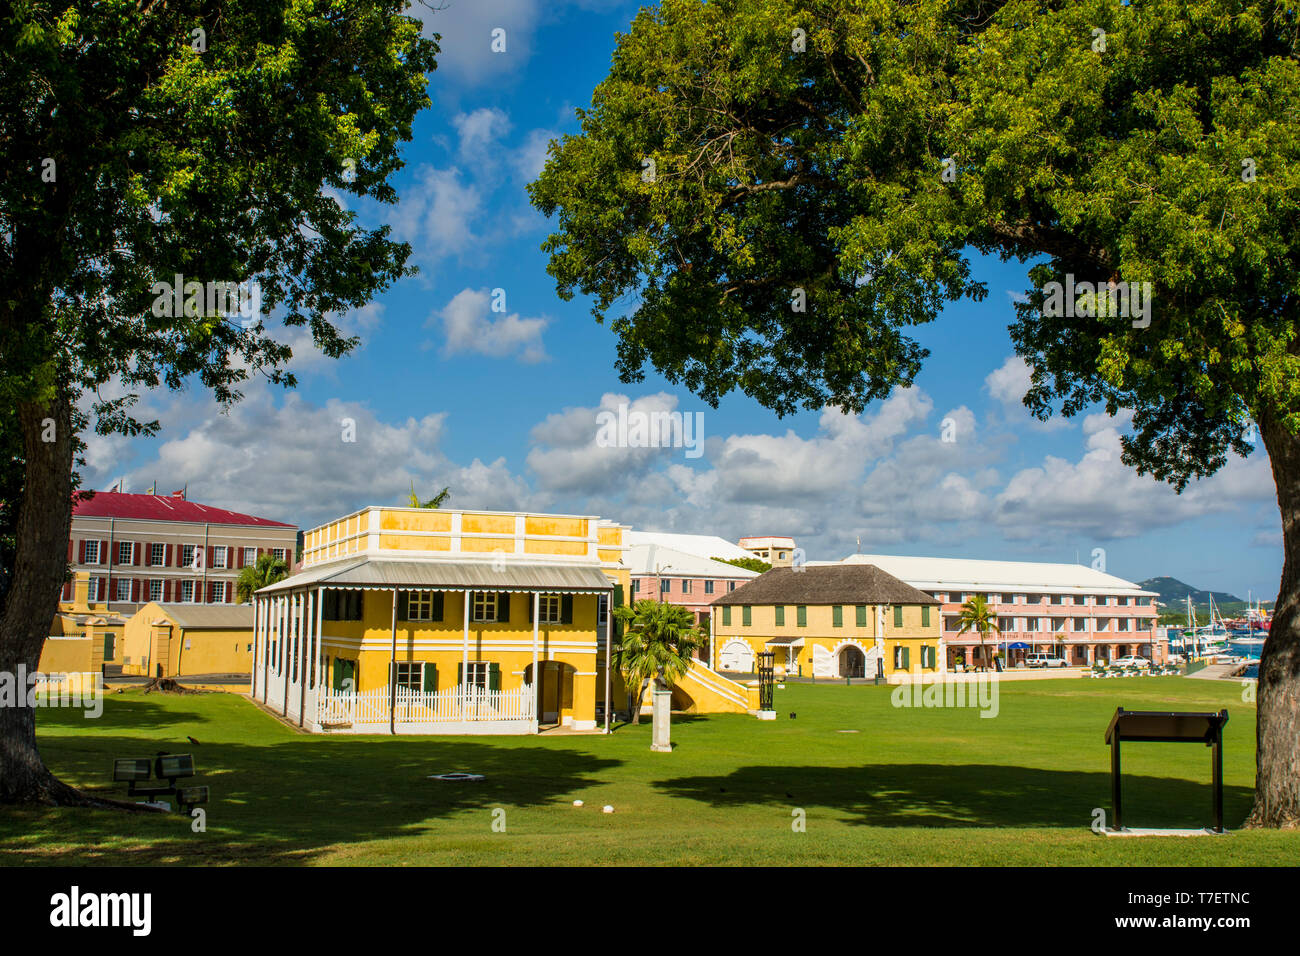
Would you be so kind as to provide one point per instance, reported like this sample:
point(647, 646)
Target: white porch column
point(286, 652)
point(609, 652)
point(318, 675)
point(256, 645)
point(464, 667)
point(392, 672)
point(304, 654)
point(537, 684)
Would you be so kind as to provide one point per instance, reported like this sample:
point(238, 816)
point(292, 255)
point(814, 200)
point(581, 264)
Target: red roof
point(115, 504)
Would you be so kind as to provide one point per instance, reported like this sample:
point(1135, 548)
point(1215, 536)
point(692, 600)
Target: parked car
point(1045, 660)
point(1131, 661)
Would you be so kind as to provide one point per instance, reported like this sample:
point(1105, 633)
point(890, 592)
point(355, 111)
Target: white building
point(1069, 610)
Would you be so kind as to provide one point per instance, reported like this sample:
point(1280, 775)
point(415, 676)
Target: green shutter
point(907, 658)
point(862, 615)
point(566, 609)
point(460, 673)
point(801, 613)
point(494, 676)
point(337, 675)
point(531, 598)
point(430, 677)
point(401, 606)
point(503, 607)
point(925, 615)
point(746, 615)
point(780, 615)
point(437, 605)
point(726, 615)
point(615, 604)
point(898, 615)
point(837, 616)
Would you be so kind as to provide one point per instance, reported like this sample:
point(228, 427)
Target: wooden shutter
point(566, 609)
point(494, 676)
point(925, 615)
point(69, 550)
point(460, 673)
point(780, 615)
point(135, 591)
point(746, 616)
point(898, 615)
point(81, 551)
point(135, 554)
point(861, 618)
point(837, 616)
point(726, 615)
point(211, 552)
point(803, 615)
point(503, 607)
point(167, 591)
point(105, 558)
point(430, 683)
point(403, 603)
point(67, 586)
point(437, 605)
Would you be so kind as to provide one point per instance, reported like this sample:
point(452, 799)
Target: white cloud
point(1008, 384)
point(466, 27)
point(437, 213)
point(470, 326)
point(479, 132)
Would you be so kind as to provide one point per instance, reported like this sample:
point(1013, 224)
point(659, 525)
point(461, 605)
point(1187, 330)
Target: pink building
point(676, 577)
point(1066, 610)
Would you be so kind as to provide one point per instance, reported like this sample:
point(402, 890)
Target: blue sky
point(502, 406)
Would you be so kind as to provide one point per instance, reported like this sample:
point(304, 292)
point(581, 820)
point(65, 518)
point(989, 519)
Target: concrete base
point(661, 733)
point(1148, 831)
point(766, 715)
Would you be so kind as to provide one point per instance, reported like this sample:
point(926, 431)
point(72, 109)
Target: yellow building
point(181, 640)
point(434, 621)
point(81, 618)
point(828, 621)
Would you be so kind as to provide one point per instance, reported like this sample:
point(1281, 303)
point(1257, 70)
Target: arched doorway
point(737, 657)
point(853, 663)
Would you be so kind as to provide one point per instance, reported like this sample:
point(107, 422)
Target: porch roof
point(368, 572)
point(784, 641)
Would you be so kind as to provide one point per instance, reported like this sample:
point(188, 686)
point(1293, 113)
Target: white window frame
point(130, 552)
point(155, 590)
point(120, 585)
point(219, 592)
point(281, 554)
point(219, 552)
point(89, 559)
point(190, 598)
point(478, 674)
point(484, 603)
point(405, 670)
point(548, 609)
point(250, 557)
point(157, 555)
point(419, 606)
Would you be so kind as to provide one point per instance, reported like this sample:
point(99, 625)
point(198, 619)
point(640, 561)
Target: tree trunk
point(1277, 721)
point(40, 563)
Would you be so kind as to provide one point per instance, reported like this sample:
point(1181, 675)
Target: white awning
point(448, 576)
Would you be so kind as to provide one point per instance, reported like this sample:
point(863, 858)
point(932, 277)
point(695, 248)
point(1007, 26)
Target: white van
point(1044, 660)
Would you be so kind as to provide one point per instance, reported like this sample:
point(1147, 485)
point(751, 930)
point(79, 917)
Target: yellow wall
point(209, 650)
point(70, 655)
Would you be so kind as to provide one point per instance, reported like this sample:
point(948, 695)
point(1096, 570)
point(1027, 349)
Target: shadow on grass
point(964, 795)
point(288, 801)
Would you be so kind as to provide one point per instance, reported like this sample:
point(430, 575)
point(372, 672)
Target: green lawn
point(911, 787)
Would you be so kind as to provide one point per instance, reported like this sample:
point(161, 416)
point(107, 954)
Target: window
point(780, 615)
point(1100, 600)
point(123, 589)
point(157, 554)
point(92, 590)
point(726, 615)
point(410, 674)
point(1031, 624)
point(665, 585)
point(993, 598)
point(125, 552)
point(902, 657)
point(925, 615)
point(1122, 624)
point(636, 586)
point(746, 615)
point(837, 616)
point(1080, 624)
point(219, 556)
point(801, 615)
point(218, 592)
point(731, 585)
point(484, 675)
point(92, 552)
point(187, 592)
point(861, 618)
point(485, 607)
point(940, 596)
point(280, 554)
point(548, 609)
point(898, 615)
point(708, 587)
point(250, 556)
point(928, 657)
point(780, 554)
point(155, 590)
point(686, 585)
point(188, 555)
point(1057, 599)
point(423, 605)
point(342, 605)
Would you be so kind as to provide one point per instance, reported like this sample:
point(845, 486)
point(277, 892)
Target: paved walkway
point(1215, 671)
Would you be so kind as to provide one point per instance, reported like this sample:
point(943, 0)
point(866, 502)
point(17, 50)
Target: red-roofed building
point(142, 548)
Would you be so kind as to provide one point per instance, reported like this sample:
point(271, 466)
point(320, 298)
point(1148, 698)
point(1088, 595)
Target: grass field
point(910, 787)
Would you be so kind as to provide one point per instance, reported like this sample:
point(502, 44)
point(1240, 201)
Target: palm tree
point(977, 614)
point(267, 570)
point(658, 644)
point(436, 501)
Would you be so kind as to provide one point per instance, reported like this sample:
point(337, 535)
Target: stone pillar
point(662, 716)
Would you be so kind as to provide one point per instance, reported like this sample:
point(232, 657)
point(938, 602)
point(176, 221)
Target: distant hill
point(1174, 593)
